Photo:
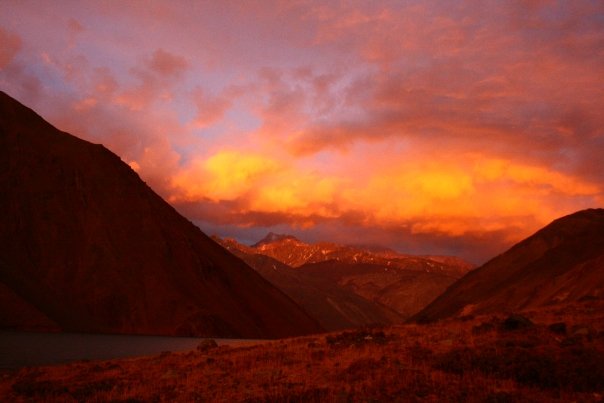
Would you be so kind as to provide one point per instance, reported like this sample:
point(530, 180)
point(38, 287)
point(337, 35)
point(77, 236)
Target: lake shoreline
point(30, 349)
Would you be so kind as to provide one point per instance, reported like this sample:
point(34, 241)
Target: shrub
point(558, 328)
point(206, 345)
point(362, 368)
point(356, 338)
point(516, 322)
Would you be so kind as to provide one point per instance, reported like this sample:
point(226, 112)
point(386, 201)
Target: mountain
point(87, 246)
point(296, 253)
point(406, 290)
point(561, 263)
point(402, 283)
point(17, 313)
point(272, 237)
point(335, 307)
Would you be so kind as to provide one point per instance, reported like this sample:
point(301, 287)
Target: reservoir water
point(20, 349)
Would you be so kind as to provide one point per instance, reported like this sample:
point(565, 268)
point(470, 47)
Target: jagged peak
point(271, 237)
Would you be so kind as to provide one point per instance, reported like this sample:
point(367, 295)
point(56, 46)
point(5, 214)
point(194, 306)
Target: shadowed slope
point(563, 262)
point(406, 290)
point(334, 306)
point(88, 244)
point(17, 313)
point(403, 284)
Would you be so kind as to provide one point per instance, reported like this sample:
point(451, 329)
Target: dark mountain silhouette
point(402, 283)
point(88, 247)
point(335, 307)
point(561, 263)
point(17, 313)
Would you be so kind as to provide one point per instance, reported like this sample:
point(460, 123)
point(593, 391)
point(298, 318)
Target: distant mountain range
point(271, 237)
point(335, 307)
point(87, 246)
point(348, 286)
point(295, 253)
point(562, 263)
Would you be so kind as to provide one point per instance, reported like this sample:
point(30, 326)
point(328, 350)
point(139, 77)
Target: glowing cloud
point(425, 126)
point(11, 44)
point(223, 176)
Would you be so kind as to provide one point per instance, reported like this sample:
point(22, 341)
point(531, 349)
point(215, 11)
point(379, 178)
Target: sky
point(430, 127)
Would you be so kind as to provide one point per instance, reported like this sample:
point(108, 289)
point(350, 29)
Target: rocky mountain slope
point(295, 253)
point(402, 283)
point(335, 307)
point(561, 263)
point(404, 290)
point(86, 244)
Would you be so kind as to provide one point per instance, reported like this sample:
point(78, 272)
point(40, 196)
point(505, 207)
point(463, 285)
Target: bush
point(558, 328)
point(516, 322)
point(356, 338)
point(206, 345)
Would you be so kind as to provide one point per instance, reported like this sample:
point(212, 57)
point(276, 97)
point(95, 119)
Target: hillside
point(404, 290)
point(296, 253)
point(86, 244)
point(556, 358)
point(561, 263)
point(335, 307)
point(403, 284)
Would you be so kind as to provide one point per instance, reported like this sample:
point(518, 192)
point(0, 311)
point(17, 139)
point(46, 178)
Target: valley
point(346, 286)
point(86, 246)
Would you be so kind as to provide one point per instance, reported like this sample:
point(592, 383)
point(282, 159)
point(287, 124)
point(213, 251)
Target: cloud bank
point(427, 127)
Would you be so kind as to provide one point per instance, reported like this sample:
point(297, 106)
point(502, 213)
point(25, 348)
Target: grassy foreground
point(481, 359)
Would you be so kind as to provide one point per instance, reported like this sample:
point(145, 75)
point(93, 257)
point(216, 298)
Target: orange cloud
point(258, 184)
point(104, 83)
point(301, 195)
point(167, 64)
point(210, 109)
point(156, 77)
point(467, 194)
point(441, 123)
point(225, 175)
point(84, 104)
point(75, 29)
point(11, 44)
point(491, 170)
point(450, 196)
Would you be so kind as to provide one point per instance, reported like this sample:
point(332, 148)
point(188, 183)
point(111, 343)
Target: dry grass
point(472, 360)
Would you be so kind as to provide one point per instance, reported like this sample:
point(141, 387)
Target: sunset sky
point(440, 127)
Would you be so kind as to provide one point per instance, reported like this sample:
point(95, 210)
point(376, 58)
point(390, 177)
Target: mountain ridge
point(335, 307)
point(562, 262)
point(87, 243)
point(272, 237)
point(401, 283)
point(295, 253)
